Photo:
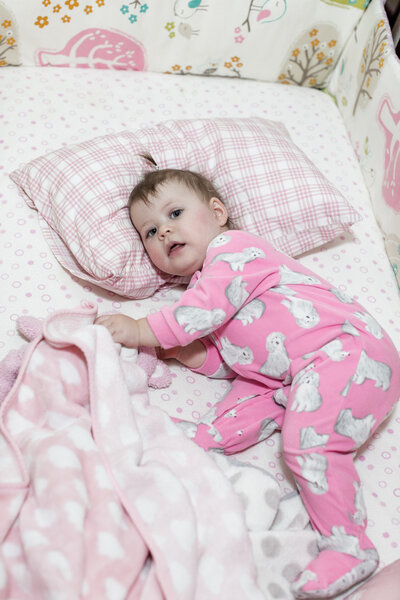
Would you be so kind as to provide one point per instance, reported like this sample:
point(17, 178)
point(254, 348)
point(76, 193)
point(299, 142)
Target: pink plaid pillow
point(269, 185)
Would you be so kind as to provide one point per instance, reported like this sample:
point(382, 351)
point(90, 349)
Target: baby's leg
point(326, 421)
point(246, 415)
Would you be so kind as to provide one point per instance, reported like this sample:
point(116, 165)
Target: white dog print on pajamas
point(250, 312)
point(288, 276)
point(342, 296)
point(208, 419)
point(283, 289)
point(188, 428)
point(313, 469)
point(297, 378)
point(236, 291)
point(309, 438)
point(360, 515)
point(307, 397)
point(231, 414)
point(278, 360)
point(368, 368)
point(267, 428)
point(193, 319)
point(280, 397)
point(220, 240)
point(223, 372)
point(340, 541)
point(245, 398)
point(371, 324)
point(237, 260)
point(356, 429)
point(333, 349)
point(235, 354)
point(348, 328)
point(303, 311)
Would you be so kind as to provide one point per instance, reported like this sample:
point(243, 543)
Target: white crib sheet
point(42, 109)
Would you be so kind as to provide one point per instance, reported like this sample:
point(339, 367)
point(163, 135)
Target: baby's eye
point(151, 232)
point(175, 213)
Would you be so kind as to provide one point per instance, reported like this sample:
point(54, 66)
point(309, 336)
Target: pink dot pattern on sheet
point(43, 110)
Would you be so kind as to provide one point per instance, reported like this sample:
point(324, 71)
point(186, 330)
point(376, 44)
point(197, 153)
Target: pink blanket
point(101, 495)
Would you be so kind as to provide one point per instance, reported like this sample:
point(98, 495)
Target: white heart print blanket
point(98, 496)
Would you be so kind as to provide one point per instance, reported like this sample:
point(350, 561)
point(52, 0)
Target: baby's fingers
point(107, 322)
point(102, 319)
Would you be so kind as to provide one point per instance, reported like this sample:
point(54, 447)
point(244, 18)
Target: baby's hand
point(124, 329)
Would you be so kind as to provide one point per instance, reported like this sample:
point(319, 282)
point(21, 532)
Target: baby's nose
point(164, 229)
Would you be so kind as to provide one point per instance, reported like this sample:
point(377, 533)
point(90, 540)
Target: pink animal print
point(390, 122)
point(97, 48)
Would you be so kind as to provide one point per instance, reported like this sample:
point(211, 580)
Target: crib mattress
point(43, 109)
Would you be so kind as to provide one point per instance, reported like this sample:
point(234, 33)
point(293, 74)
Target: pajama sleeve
point(231, 273)
point(213, 365)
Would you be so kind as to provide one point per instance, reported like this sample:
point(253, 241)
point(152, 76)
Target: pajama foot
point(332, 573)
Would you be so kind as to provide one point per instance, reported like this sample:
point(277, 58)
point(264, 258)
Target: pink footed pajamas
point(308, 360)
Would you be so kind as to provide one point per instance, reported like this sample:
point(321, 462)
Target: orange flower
point(239, 65)
point(71, 4)
point(382, 47)
point(362, 68)
point(380, 24)
point(368, 81)
point(282, 76)
point(2, 63)
point(65, 19)
point(235, 58)
point(88, 9)
point(328, 61)
point(46, 2)
point(56, 8)
point(188, 67)
point(381, 63)
point(296, 52)
point(320, 55)
point(176, 67)
point(313, 32)
point(100, 2)
point(42, 22)
point(315, 43)
point(228, 65)
point(312, 81)
point(10, 41)
point(6, 24)
point(332, 43)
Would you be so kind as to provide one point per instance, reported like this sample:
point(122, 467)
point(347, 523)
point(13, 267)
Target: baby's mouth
point(174, 248)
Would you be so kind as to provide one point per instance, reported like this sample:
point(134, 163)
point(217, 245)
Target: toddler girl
point(304, 357)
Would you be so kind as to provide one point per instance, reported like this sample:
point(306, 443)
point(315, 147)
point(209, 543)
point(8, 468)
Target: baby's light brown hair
point(152, 180)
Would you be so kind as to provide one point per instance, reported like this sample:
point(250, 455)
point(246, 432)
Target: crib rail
point(392, 8)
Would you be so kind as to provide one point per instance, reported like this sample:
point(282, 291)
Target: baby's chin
point(168, 272)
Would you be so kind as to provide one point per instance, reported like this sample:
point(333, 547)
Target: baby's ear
point(219, 209)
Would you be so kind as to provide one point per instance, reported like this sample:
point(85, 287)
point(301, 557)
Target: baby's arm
point(137, 332)
point(129, 332)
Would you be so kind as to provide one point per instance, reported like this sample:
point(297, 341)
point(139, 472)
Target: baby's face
point(176, 227)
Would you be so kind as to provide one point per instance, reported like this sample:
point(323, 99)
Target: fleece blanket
point(103, 496)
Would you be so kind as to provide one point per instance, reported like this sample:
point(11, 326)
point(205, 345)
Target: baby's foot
point(331, 573)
